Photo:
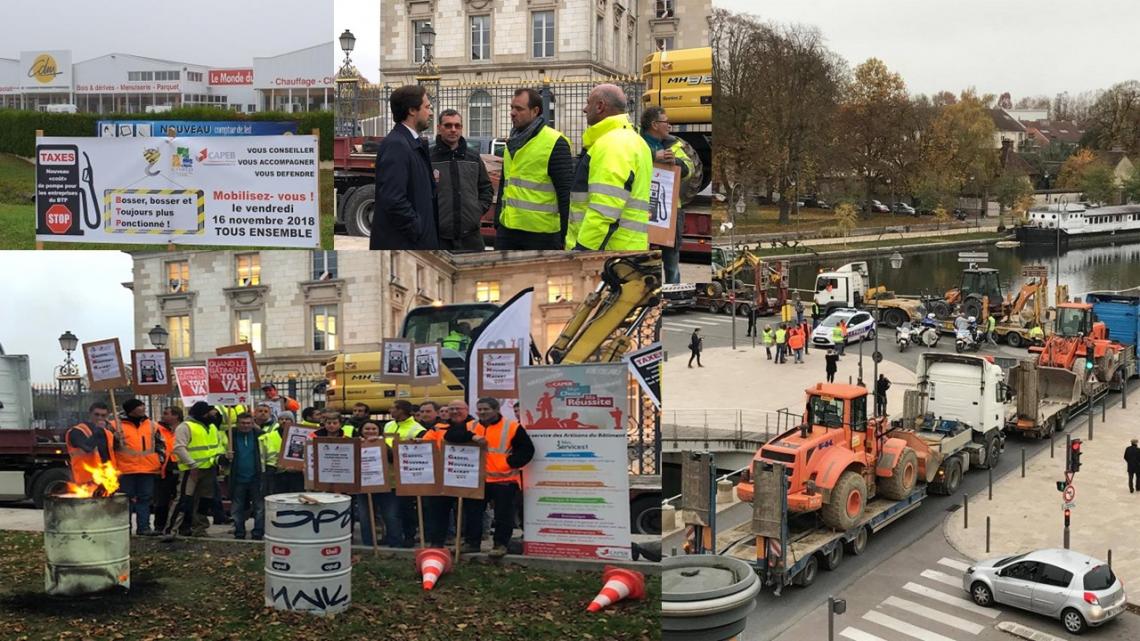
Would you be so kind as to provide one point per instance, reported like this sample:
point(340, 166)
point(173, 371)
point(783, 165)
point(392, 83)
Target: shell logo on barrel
point(331, 551)
point(281, 550)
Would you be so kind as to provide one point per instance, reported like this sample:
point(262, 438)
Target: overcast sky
point(362, 18)
point(1021, 46)
point(216, 33)
point(48, 292)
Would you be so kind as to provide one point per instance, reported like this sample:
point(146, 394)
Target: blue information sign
point(147, 128)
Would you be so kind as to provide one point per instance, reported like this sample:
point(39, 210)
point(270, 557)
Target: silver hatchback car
point(1076, 588)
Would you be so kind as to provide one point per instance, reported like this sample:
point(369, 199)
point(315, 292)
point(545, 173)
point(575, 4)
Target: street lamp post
point(158, 336)
point(68, 371)
point(429, 72)
point(347, 90)
point(896, 260)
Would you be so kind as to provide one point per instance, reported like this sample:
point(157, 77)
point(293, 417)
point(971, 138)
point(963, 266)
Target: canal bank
point(810, 254)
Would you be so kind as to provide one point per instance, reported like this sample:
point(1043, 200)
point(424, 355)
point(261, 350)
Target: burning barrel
point(87, 541)
point(308, 552)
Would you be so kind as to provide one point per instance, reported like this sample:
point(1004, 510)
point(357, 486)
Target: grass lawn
point(764, 219)
point(872, 244)
point(213, 590)
point(17, 222)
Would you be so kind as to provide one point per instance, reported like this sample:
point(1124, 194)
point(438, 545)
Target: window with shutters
point(248, 270)
point(179, 328)
point(178, 277)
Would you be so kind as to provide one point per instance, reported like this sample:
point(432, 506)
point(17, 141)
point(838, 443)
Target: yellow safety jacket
point(769, 337)
point(679, 153)
point(457, 341)
point(270, 445)
point(781, 336)
point(230, 414)
point(529, 200)
point(609, 200)
point(203, 445)
point(837, 334)
point(1036, 332)
point(406, 430)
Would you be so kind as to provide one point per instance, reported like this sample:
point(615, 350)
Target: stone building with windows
point(675, 24)
point(298, 309)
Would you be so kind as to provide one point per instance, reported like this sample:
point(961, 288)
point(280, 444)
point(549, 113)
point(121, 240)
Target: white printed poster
point(395, 364)
point(241, 190)
point(576, 494)
point(373, 475)
point(664, 196)
point(426, 364)
point(416, 463)
point(336, 463)
point(461, 466)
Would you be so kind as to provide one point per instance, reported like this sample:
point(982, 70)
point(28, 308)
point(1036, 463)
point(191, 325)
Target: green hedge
point(18, 128)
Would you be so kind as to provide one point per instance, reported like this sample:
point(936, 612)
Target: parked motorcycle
point(905, 334)
point(965, 340)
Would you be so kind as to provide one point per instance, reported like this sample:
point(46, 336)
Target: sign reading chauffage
point(240, 190)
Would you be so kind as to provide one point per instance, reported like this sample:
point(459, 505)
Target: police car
point(860, 327)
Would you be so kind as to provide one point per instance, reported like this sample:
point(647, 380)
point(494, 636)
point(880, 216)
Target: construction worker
point(1036, 335)
point(166, 488)
point(218, 421)
point(668, 149)
point(246, 472)
point(509, 449)
point(815, 314)
point(538, 171)
point(839, 337)
point(360, 414)
point(91, 443)
point(283, 480)
point(796, 342)
point(333, 427)
point(196, 446)
point(609, 201)
point(458, 338)
point(781, 343)
point(437, 509)
point(139, 455)
point(787, 311)
point(769, 338)
point(991, 323)
point(311, 418)
point(229, 414)
point(277, 401)
point(399, 511)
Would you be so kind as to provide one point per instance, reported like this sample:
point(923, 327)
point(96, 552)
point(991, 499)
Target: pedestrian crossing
point(688, 322)
point(933, 607)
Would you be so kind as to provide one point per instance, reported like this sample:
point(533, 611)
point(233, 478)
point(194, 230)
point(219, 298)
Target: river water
point(1083, 270)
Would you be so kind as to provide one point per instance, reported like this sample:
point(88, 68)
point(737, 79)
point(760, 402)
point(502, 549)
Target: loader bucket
point(1034, 384)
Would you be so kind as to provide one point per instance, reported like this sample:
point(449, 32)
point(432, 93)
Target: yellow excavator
point(600, 330)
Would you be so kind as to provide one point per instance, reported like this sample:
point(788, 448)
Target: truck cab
point(844, 287)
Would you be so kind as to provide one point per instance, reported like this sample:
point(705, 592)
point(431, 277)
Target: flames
point(105, 481)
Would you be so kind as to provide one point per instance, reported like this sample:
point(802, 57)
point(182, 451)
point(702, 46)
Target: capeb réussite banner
point(241, 190)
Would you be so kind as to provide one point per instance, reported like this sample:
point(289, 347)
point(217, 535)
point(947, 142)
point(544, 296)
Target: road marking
point(941, 577)
point(965, 604)
point(671, 325)
point(719, 321)
point(934, 615)
point(856, 634)
point(922, 634)
point(951, 563)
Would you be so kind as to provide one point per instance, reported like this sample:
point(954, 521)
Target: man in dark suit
point(406, 214)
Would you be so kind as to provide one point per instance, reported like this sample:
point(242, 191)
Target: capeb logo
point(207, 157)
point(152, 156)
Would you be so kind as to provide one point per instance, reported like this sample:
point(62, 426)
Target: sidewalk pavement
point(1025, 513)
point(745, 379)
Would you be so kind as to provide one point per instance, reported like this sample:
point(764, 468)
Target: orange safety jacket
point(168, 443)
point(499, 437)
point(80, 457)
point(796, 339)
point(134, 452)
point(435, 433)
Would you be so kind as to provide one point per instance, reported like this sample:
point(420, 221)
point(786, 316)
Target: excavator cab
point(1074, 320)
point(977, 283)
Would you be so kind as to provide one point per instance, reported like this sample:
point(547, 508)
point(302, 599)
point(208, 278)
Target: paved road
point(717, 332)
point(917, 594)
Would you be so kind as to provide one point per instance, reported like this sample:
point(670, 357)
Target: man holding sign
point(509, 448)
point(398, 512)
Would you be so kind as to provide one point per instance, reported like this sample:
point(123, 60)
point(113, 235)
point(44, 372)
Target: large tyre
point(1014, 340)
point(892, 317)
point(992, 449)
point(807, 575)
point(358, 211)
point(834, 558)
point(972, 307)
point(848, 499)
point(645, 515)
point(858, 545)
point(900, 484)
point(49, 482)
point(953, 476)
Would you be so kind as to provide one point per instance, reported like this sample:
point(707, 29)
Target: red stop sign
point(58, 218)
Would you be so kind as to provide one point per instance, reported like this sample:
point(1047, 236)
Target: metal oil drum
point(87, 542)
point(308, 552)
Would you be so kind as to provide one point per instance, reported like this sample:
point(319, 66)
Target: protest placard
point(664, 197)
point(417, 468)
point(246, 350)
point(227, 380)
point(335, 465)
point(292, 454)
point(427, 365)
point(104, 365)
point(464, 470)
point(374, 467)
point(498, 372)
point(150, 371)
point(395, 361)
point(192, 385)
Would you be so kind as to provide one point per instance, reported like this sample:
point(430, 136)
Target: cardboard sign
point(426, 365)
point(104, 365)
point(395, 361)
point(417, 468)
point(227, 380)
point(664, 196)
point(374, 466)
point(150, 371)
point(464, 470)
point(499, 372)
point(192, 385)
point(335, 464)
point(247, 350)
point(292, 454)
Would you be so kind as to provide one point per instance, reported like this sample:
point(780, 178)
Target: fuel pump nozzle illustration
point(88, 177)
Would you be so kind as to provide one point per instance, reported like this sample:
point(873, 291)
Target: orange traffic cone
point(433, 562)
point(619, 584)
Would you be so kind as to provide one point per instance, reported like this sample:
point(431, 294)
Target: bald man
point(609, 199)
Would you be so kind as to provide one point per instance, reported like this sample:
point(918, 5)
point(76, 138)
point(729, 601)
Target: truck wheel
point(892, 318)
point(714, 308)
point(807, 575)
point(358, 211)
point(832, 559)
point(645, 515)
point(953, 476)
point(1014, 340)
point(992, 452)
point(48, 482)
point(848, 499)
point(900, 484)
point(858, 545)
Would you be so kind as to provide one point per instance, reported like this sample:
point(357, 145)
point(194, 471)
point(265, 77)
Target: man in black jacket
point(405, 214)
point(465, 190)
point(537, 160)
point(1132, 458)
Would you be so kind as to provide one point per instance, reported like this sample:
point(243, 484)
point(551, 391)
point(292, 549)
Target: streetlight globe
point(427, 35)
point(68, 341)
point(158, 336)
point(347, 41)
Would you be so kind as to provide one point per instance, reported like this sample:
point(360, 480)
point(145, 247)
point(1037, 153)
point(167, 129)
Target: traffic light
point(1060, 486)
point(1067, 514)
point(1074, 462)
point(1088, 365)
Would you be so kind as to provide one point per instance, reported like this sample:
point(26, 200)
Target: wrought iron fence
point(486, 107)
point(64, 403)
